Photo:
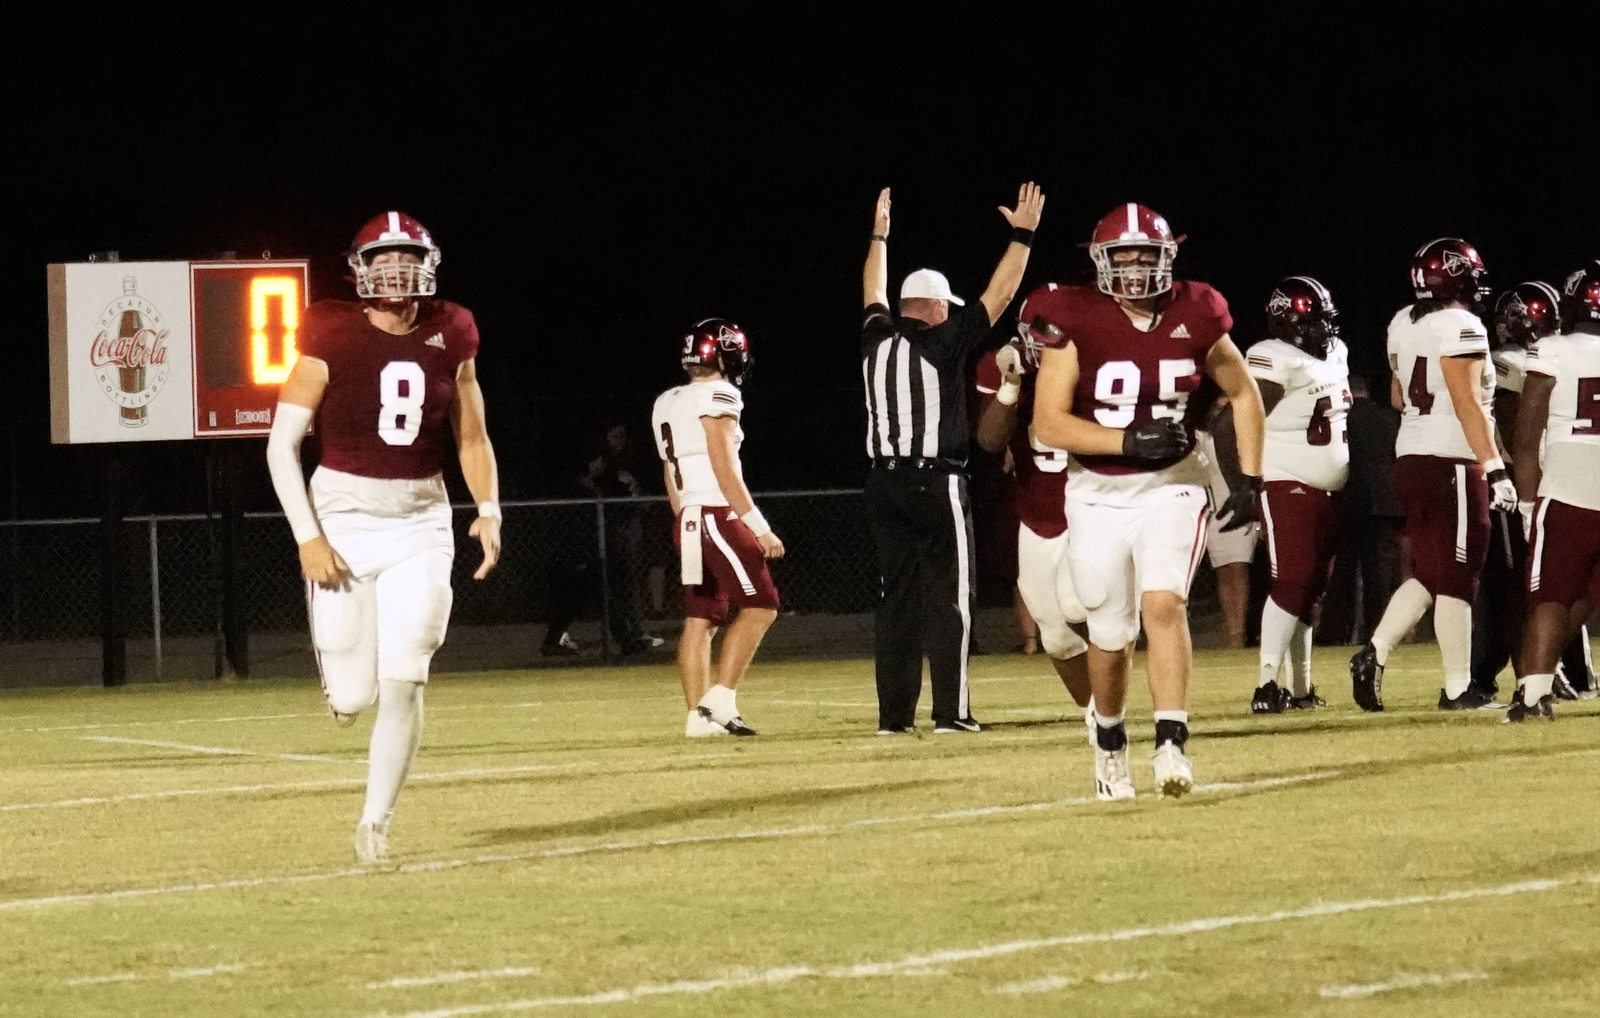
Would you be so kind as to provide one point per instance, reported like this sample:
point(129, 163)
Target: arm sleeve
point(988, 374)
point(1265, 367)
point(289, 424)
point(1539, 365)
point(1508, 374)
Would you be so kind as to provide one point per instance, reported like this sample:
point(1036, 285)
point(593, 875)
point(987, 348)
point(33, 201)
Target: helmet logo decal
point(1455, 263)
point(1573, 282)
point(1278, 303)
point(1516, 306)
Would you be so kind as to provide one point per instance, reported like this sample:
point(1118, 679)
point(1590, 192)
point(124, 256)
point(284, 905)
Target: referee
point(914, 371)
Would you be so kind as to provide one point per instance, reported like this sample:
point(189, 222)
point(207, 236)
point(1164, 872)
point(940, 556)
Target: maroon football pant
point(734, 569)
point(1564, 562)
point(1302, 525)
point(1447, 522)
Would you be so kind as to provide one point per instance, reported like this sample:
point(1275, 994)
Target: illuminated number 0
point(400, 415)
point(263, 289)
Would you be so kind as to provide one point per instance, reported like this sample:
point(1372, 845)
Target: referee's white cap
point(929, 283)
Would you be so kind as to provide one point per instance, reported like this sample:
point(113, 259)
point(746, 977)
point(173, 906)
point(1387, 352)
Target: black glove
point(1243, 506)
point(1162, 439)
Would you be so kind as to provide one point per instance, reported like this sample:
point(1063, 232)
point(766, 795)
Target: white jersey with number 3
point(1429, 426)
point(1572, 434)
point(1306, 439)
point(681, 437)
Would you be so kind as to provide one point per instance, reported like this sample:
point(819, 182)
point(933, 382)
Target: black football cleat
point(1366, 679)
point(1470, 699)
point(1269, 699)
point(734, 727)
point(1311, 701)
point(1518, 712)
point(1562, 689)
point(967, 724)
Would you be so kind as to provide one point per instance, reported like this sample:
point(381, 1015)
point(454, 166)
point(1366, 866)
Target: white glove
point(1502, 493)
point(1009, 360)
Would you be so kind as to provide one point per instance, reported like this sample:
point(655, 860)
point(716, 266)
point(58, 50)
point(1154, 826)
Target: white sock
point(1108, 720)
point(1409, 603)
point(1535, 687)
point(1300, 660)
point(719, 700)
point(395, 736)
point(1452, 623)
point(1088, 709)
point(1180, 716)
point(1277, 629)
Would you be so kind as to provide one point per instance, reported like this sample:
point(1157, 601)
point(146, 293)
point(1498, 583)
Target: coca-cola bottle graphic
point(130, 372)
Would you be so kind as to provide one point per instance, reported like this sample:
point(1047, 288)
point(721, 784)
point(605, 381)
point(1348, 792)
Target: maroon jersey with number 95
point(386, 410)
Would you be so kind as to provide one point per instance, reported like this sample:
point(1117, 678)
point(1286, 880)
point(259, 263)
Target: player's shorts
point(1045, 583)
point(1226, 547)
point(1118, 553)
point(388, 621)
point(1302, 525)
point(1447, 522)
point(714, 544)
point(1564, 561)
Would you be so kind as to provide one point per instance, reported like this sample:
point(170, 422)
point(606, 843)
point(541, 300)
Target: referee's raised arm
point(1024, 219)
point(875, 277)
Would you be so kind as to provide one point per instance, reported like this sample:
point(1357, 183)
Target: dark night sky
point(597, 185)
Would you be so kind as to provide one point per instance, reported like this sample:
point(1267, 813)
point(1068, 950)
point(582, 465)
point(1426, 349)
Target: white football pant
point(388, 621)
point(1045, 583)
point(1118, 553)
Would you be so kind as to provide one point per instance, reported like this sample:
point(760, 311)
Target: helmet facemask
point(395, 280)
point(1136, 278)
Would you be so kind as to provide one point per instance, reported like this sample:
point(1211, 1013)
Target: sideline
point(220, 750)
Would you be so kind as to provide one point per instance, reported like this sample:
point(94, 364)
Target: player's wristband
point(1008, 393)
point(878, 238)
point(1493, 465)
point(491, 510)
point(1021, 236)
point(756, 522)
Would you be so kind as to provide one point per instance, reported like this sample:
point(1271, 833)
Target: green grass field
point(185, 850)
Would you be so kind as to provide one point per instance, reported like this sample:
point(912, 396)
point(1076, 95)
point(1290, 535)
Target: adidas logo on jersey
point(1181, 332)
point(437, 339)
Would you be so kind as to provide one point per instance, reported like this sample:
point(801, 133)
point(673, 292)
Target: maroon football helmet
point(1580, 297)
point(1133, 226)
point(1449, 269)
point(1526, 312)
point(719, 344)
point(394, 282)
point(1300, 312)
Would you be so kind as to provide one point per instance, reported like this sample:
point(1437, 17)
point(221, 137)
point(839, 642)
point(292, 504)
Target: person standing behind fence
point(723, 540)
point(914, 371)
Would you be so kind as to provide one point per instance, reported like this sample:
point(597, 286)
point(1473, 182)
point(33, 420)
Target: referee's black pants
point(922, 523)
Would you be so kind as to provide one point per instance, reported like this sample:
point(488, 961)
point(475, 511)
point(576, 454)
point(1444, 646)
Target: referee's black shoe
point(967, 724)
point(1470, 699)
point(1269, 699)
point(1366, 679)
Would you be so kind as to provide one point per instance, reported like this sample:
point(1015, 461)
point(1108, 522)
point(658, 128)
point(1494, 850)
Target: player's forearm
point(290, 421)
point(1526, 470)
point(996, 425)
point(732, 485)
point(875, 277)
point(1076, 435)
point(1480, 436)
point(1006, 279)
point(1249, 430)
point(480, 471)
point(671, 488)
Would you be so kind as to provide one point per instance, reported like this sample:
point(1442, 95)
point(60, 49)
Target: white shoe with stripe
point(1111, 778)
point(1174, 775)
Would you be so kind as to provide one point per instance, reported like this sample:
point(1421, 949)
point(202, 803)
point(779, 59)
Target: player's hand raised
point(1160, 439)
point(487, 530)
point(1030, 207)
point(880, 216)
point(771, 547)
point(323, 566)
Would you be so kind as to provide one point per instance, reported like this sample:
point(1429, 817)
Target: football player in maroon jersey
point(1114, 384)
point(387, 378)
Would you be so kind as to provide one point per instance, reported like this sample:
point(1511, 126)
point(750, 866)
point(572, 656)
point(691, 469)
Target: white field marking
point(175, 793)
point(1402, 982)
point(219, 750)
point(241, 717)
point(1050, 984)
point(408, 982)
point(128, 977)
point(923, 963)
point(120, 977)
point(822, 703)
point(571, 851)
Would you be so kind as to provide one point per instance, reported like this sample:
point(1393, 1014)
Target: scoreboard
point(162, 351)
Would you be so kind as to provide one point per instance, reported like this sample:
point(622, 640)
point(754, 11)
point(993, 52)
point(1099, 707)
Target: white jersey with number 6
point(1306, 439)
point(1429, 426)
point(681, 437)
point(1572, 434)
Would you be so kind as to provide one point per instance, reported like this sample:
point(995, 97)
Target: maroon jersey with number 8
point(386, 411)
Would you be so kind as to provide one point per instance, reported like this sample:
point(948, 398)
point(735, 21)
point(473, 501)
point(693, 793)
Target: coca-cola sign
point(129, 353)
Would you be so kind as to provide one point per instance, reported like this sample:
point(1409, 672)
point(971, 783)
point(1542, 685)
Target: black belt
point(940, 463)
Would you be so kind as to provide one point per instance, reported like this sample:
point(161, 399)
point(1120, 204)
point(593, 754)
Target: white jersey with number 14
point(1429, 426)
point(1306, 440)
point(681, 437)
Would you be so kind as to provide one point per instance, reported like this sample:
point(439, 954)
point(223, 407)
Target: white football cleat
point(1088, 722)
point(697, 726)
point(1111, 778)
point(1174, 776)
point(372, 843)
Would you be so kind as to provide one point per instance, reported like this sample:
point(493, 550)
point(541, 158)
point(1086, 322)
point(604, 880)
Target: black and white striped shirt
point(914, 376)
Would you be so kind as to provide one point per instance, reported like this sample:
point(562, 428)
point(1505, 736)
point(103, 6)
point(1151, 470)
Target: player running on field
point(1113, 389)
point(388, 378)
point(723, 540)
point(1447, 470)
point(1304, 378)
point(1006, 378)
point(1561, 408)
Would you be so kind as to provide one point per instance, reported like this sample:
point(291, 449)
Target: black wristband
point(879, 237)
point(1021, 236)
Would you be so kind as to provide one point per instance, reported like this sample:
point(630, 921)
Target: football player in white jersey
point(1304, 376)
point(1447, 470)
point(1229, 549)
point(1561, 408)
point(723, 540)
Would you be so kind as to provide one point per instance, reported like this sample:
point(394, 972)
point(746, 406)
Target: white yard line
point(1050, 984)
point(921, 963)
point(195, 973)
point(220, 750)
point(176, 793)
point(235, 718)
point(1403, 982)
point(820, 703)
point(440, 978)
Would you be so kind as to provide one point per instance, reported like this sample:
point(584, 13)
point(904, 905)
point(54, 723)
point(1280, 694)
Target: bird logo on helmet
point(394, 260)
point(721, 345)
point(1133, 227)
point(1301, 312)
point(1525, 313)
point(1449, 269)
point(1580, 300)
